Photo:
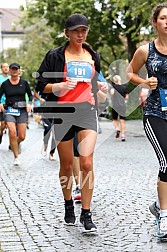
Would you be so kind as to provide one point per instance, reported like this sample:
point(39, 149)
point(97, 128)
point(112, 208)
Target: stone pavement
point(31, 203)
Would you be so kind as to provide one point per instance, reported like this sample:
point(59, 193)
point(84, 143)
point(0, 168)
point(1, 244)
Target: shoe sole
point(162, 237)
point(16, 164)
point(77, 202)
point(93, 230)
point(69, 224)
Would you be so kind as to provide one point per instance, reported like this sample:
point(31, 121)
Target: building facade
point(10, 34)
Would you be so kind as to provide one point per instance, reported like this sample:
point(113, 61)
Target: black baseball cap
point(14, 65)
point(76, 20)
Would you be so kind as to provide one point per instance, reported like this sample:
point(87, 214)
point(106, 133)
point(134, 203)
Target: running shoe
point(86, 220)
point(44, 150)
point(154, 209)
point(162, 227)
point(19, 149)
point(117, 134)
point(69, 215)
point(0, 139)
point(99, 130)
point(52, 157)
point(77, 194)
point(123, 139)
point(16, 162)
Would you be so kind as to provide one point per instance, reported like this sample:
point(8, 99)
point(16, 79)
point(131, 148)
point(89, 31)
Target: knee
point(21, 138)
point(12, 134)
point(86, 166)
point(66, 167)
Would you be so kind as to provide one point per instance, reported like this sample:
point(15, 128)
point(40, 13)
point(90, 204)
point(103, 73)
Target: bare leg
point(115, 122)
point(76, 170)
point(87, 140)
point(13, 138)
point(3, 126)
point(65, 151)
point(21, 127)
point(122, 127)
point(162, 193)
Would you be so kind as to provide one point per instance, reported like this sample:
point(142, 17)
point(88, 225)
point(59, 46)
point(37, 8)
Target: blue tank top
point(156, 65)
point(2, 79)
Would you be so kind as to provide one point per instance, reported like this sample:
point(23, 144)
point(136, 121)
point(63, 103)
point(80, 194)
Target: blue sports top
point(2, 79)
point(156, 65)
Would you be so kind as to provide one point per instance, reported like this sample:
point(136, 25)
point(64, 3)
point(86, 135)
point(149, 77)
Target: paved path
point(31, 203)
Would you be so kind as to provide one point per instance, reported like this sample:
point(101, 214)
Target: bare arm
point(102, 93)
point(136, 64)
point(56, 87)
point(36, 95)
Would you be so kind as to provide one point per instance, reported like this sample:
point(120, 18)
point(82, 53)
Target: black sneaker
point(86, 220)
point(69, 215)
point(0, 139)
point(117, 134)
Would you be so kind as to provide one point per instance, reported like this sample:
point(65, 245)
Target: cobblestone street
point(32, 206)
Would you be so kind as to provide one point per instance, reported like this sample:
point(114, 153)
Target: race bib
point(79, 71)
point(163, 97)
point(12, 111)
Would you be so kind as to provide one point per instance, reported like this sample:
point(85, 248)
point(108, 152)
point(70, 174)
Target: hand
point(103, 86)
point(1, 107)
point(42, 100)
point(29, 108)
point(152, 83)
point(69, 84)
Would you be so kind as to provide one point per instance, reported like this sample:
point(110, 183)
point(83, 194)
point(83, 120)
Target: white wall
point(10, 41)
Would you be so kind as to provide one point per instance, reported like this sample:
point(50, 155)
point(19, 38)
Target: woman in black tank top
point(154, 56)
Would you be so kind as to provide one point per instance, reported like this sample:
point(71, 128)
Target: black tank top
point(156, 65)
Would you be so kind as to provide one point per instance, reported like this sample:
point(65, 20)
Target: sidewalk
point(32, 207)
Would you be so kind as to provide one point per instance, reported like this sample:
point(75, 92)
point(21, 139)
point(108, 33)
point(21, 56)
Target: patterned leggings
point(156, 132)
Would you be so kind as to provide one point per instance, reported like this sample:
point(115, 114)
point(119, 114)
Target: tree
point(36, 42)
point(116, 29)
point(116, 24)
point(56, 13)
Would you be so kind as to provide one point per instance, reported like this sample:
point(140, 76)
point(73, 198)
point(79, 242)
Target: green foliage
point(37, 41)
point(115, 25)
point(136, 114)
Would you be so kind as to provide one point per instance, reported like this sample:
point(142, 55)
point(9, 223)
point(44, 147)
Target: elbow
point(128, 76)
point(129, 73)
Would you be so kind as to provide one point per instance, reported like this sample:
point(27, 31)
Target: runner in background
point(3, 76)
point(119, 95)
point(48, 130)
point(16, 109)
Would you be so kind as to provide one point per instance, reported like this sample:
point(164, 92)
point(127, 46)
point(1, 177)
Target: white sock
point(163, 213)
point(157, 203)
